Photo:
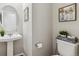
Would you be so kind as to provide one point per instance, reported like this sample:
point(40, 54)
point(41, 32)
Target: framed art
point(68, 13)
point(0, 18)
point(26, 14)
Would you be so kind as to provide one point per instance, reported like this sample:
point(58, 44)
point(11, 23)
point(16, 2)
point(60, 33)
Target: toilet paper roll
point(39, 45)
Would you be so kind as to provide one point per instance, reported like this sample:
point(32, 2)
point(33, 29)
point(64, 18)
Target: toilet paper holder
point(39, 44)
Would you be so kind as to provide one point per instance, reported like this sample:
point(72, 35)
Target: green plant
point(2, 33)
point(64, 33)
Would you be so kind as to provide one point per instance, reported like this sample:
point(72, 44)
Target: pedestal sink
point(9, 39)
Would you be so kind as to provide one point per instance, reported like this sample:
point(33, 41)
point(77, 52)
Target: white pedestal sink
point(9, 39)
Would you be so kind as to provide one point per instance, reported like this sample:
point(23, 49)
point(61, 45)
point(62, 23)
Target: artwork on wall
point(26, 14)
point(0, 18)
point(67, 13)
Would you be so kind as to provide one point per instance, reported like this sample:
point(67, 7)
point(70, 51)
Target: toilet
point(66, 48)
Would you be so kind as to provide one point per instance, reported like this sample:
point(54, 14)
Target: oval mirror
point(9, 19)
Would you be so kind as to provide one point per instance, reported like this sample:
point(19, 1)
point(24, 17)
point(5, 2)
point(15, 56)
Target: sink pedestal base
point(10, 48)
point(9, 40)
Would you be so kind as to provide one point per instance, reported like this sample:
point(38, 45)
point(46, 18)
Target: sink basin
point(12, 37)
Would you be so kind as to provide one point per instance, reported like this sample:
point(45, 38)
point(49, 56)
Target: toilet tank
point(66, 48)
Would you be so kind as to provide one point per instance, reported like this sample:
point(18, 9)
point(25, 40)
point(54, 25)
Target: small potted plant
point(63, 33)
point(2, 32)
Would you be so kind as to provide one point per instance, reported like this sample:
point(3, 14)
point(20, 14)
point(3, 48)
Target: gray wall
point(18, 45)
point(42, 28)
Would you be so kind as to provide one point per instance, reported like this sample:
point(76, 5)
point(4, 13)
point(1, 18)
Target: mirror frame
point(13, 9)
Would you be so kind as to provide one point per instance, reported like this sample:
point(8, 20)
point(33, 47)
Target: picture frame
point(68, 13)
point(26, 14)
point(0, 18)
